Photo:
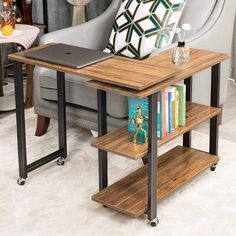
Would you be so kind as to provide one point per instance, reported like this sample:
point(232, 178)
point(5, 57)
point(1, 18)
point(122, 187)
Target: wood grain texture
point(131, 92)
point(120, 141)
point(126, 72)
point(199, 61)
point(175, 168)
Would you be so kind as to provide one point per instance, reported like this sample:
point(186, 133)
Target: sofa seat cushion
point(77, 93)
point(142, 26)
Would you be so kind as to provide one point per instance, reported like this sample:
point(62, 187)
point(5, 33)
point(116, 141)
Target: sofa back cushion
point(142, 26)
point(196, 13)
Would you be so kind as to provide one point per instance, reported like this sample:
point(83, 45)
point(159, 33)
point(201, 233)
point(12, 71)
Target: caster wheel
point(153, 223)
point(213, 168)
point(21, 181)
point(61, 161)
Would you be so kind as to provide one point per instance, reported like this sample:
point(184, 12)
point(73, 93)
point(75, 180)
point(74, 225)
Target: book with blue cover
point(134, 103)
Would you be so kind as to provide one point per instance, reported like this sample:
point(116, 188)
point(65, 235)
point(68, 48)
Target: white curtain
point(59, 15)
point(60, 12)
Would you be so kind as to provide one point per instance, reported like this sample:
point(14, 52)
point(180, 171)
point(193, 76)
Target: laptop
point(68, 55)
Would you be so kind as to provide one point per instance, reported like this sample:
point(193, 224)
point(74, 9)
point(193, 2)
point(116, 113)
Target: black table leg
point(152, 160)
point(102, 130)
point(2, 74)
point(45, 15)
point(61, 153)
point(187, 137)
point(20, 123)
point(61, 96)
point(215, 102)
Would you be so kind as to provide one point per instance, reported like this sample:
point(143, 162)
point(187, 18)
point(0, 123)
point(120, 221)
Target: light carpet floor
point(57, 201)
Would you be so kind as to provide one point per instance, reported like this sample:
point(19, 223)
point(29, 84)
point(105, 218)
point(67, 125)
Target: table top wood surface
point(123, 72)
point(199, 61)
point(133, 77)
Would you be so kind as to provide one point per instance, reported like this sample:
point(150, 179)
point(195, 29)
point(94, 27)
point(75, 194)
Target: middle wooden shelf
point(120, 142)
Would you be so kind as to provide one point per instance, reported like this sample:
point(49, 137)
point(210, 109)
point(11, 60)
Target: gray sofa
point(212, 24)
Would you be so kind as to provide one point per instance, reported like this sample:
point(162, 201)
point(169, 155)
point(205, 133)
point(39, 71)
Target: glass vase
point(181, 53)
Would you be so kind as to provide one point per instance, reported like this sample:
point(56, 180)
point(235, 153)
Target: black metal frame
point(151, 156)
point(187, 137)
point(61, 98)
point(102, 130)
point(25, 168)
point(20, 120)
point(1, 70)
point(215, 102)
point(152, 139)
point(45, 15)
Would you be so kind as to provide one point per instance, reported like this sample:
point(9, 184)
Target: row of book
point(171, 111)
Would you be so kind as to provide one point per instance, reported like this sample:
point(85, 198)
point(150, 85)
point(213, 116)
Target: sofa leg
point(42, 125)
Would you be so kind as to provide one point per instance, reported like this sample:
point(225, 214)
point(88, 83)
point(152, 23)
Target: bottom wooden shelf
point(175, 168)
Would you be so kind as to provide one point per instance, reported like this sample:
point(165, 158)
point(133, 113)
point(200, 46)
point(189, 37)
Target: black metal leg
point(215, 102)
point(61, 112)
point(187, 136)
point(152, 157)
point(1, 70)
point(102, 130)
point(188, 83)
point(45, 15)
point(24, 168)
point(20, 120)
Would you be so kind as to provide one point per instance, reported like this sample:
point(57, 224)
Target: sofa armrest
point(216, 34)
point(93, 34)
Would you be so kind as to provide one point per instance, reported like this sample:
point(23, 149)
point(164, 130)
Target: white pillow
point(141, 26)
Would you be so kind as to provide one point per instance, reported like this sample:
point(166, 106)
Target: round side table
point(23, 36)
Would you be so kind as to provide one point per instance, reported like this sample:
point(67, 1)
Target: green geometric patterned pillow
point(141, 26)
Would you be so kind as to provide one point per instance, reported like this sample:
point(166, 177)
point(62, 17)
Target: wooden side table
point(25, 39)
point(148, 79)
point(138, 192)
